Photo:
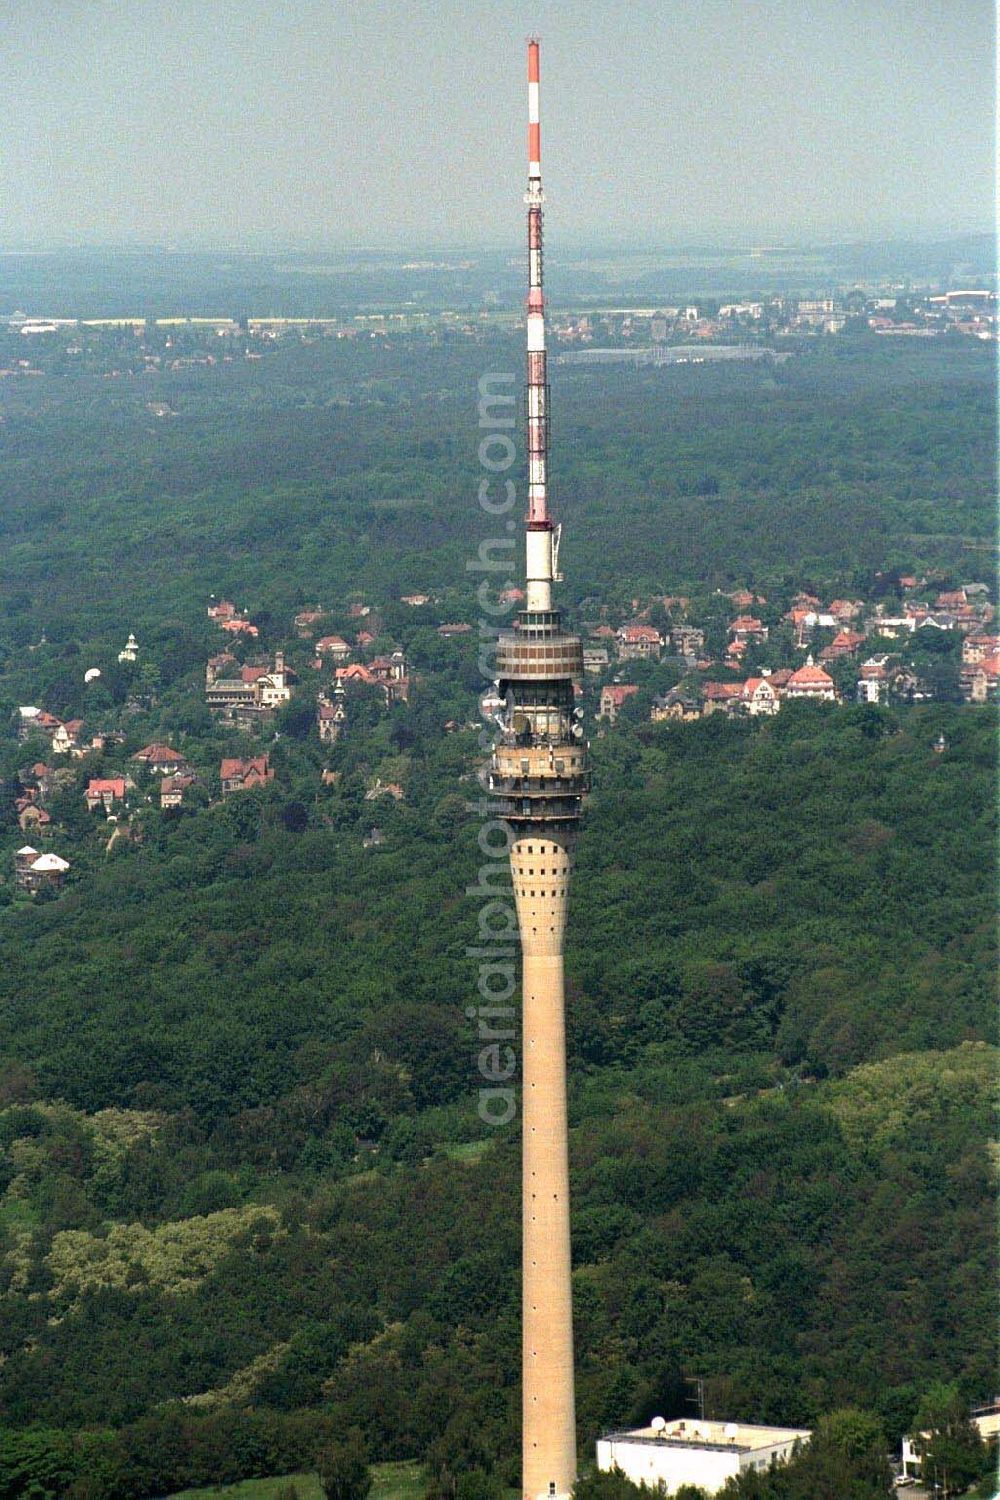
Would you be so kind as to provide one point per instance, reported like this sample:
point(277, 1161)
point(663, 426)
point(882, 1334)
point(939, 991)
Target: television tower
point(539, 775)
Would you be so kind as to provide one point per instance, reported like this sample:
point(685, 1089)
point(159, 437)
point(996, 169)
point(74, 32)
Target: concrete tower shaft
point(540, 863)
point(538, 777)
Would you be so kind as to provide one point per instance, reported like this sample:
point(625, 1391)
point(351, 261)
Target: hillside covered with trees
point(247, 1206)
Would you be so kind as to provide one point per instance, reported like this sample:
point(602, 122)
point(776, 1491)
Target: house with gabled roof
point(173, 788)
point(978, 682)
point(639, 642)
point(679, 703)
point(162, 758)
point(721, 697)
point(306, 620)
point(105, 791)
point(845, 643)
point(613, 696)
point(34, 819)
point(238, 775)
point(979, 647)
point(47, 871)
point(333, 648)
point(747, 628)
point(33, 721)
point(760, 696)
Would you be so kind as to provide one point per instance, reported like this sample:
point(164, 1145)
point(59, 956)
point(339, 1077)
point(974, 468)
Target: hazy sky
point(268, 122)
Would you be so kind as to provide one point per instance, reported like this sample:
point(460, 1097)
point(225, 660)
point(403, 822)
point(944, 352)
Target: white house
point(706, 1454)
point(760, 696)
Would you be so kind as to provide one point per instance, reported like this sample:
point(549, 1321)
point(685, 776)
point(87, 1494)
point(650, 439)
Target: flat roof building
point(703, 1453)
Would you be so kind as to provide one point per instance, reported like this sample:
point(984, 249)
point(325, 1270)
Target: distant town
point(744, 653)
point(33, 344)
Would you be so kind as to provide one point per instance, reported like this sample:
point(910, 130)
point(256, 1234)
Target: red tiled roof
point(847, 640)
point(98, 786)
point(637, 632)
point(719, 691)
point(255, 767)
point(810, 676)
point(157, 754)
point(616, 693)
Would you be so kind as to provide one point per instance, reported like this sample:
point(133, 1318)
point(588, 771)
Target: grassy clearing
point(466, 1150)
point(399, 1481)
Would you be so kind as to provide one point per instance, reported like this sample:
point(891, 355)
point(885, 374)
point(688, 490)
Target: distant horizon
point(596, 243)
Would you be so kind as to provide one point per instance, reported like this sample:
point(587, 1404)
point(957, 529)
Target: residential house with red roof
point(33, 819)
point(333, 648)
point(242, 775)
point(746, 628)
point(240, 627)
point(760, 697)
point(306, 620)
point(812, 682)
point(978, 681)
point(105, 792)
point(845, 643)
point(979, 647)
point(721, 697)
point(36, 721)
point(67, 736)
point(846, 610)
point(172, 789)
point(639, 642)
point(162, 758)
point(613, 695)
point(222, 609)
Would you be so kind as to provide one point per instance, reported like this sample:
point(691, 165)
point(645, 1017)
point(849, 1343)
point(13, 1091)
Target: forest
point(248, 1205)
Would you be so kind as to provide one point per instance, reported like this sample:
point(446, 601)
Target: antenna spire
point(541, 566)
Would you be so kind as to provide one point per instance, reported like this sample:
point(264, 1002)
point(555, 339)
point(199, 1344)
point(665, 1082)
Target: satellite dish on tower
point(730, 1430)
point(658, 1424)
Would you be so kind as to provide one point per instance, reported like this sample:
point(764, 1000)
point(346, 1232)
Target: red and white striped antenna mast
point(542, 543)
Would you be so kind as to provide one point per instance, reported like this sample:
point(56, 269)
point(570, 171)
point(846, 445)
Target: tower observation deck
point(538, 776)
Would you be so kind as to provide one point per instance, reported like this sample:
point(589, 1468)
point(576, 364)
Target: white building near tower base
point(706, 1454)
